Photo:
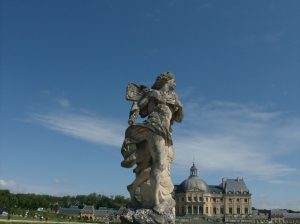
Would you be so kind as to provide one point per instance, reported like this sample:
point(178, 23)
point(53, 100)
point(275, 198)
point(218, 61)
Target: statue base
point(146, 216)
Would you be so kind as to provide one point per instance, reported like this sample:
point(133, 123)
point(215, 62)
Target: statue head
point(162, 79)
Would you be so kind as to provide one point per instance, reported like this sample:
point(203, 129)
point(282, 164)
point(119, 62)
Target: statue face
point(172, 84)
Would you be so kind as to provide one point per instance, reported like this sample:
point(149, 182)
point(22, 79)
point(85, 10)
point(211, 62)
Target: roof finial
point(193, 170)
point(193, 158)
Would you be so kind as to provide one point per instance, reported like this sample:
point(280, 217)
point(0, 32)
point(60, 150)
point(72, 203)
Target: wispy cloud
point(93, 129)
point(239, 139)
point(15, 187)
point(63, 102)
point(61, 181)
point(7, 184)
point(264, 201)
point(227, 138)
point(236, 138)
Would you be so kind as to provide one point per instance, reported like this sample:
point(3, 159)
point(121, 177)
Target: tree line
point(11, 201)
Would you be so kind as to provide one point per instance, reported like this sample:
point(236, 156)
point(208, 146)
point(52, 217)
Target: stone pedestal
point(146, 216)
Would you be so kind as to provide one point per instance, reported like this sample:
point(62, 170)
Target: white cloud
point(7, 184)
point(228, 154)
point(15, 187)
point(63, 102)
point(264, 201)
point(61, 181)
point(245, 140)
point(236, 138)
point(86, 127)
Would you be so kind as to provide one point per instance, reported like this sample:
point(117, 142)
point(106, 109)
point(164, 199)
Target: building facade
point(281, 216)
point(230, 200)
point(260, 217)
point(89, 213)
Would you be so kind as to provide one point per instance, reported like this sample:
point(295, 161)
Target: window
point(230, 199)
point(195, 198)
point(206, 210)
point(200, 210)
point(214, 210)
point(182, 198)
point(230, 211)
point(237, 200)
point(238, 210)
point(206, 199)
point(189, 210)
point(222, 210)
point(189, 198)
point(245, 200)
point(200, 198)
point(246, 211)
point(214, 199)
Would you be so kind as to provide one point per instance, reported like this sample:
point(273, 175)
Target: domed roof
point(194, 182)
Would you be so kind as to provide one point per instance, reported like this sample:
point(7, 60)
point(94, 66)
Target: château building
point(282, 216)
point(229, 201)
point(89, 213)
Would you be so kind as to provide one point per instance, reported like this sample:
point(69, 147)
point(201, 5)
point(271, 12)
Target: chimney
point(223, 182)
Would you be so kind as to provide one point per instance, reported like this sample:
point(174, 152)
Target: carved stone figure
point(149, 146)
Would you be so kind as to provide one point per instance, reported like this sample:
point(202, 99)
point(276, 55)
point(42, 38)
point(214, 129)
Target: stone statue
point(149, 146)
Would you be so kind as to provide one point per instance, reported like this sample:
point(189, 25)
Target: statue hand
point(130, 121)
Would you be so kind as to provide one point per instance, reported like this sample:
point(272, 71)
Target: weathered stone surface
point(146, 216)
point(149, 146)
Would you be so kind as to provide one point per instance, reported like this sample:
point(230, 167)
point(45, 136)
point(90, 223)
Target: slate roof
point(195, 183)
point(292, 215)
point(103, 211)
point(277, 212)
point(215, 189)
point(284, 213)
point(69, 211)
point(259, 215)
point(235, 186)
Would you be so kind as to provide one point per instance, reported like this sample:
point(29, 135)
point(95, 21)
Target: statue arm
point(134, 112)
point(143, 105)
point(178, 114)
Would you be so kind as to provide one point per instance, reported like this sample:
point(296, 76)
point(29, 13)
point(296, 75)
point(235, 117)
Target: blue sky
point(65, 66)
